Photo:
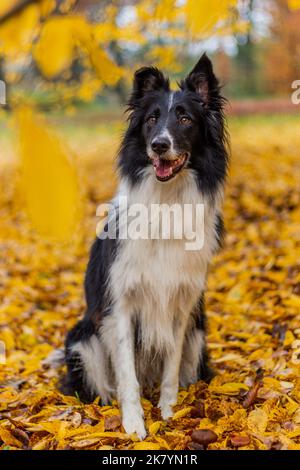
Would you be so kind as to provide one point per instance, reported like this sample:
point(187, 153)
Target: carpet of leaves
point(253, 308)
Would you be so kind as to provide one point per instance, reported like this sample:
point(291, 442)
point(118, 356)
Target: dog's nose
point(160, 145)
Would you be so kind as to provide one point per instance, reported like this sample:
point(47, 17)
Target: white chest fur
point(160, 279)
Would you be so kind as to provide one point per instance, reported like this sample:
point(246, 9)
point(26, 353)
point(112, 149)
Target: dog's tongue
point(163, 168)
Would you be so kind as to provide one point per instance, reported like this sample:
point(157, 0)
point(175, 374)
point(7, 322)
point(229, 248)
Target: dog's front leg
point(170, 378)
point(127, 385)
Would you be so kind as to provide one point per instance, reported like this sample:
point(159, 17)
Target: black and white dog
point(145, 319)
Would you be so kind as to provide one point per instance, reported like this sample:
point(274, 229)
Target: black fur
point(74, 381)
point(204, 370)
point(102, 255)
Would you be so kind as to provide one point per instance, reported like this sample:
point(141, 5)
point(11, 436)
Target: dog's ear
point(147, 79)
point(202, 79)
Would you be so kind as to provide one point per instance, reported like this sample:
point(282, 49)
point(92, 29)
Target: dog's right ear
point(202, 80)
point(147, 79)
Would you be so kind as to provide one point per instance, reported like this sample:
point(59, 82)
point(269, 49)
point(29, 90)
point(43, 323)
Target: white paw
point(166, 409)
point(133, 422)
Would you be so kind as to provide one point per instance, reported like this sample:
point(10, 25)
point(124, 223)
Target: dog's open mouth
point(166, 169)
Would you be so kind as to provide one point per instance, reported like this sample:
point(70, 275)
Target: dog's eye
point(152, 119)
point(185, 120)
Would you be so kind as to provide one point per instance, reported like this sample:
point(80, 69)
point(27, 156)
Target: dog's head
point(172, 128)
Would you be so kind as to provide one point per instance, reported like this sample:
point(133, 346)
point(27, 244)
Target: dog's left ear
point(145, 80)
point(202, 79)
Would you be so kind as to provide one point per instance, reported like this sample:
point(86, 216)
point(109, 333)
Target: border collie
point(145, 318)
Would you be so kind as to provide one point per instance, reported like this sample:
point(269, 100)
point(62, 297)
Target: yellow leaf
point(42, 444)
point(295, 433)
point(49, 180)
point(9, 439)
point(154, 427)
point(231, 388)
point(7, 336)
point(58, 46)
point(17, 33)
point(146, 446)
point(114, 435)
point(182, 413)
point(7, 5)
point(163, 443)
point(235, 294)
point(292, 301)
point(54, 51)
point(257, 421)
point(47, 6)
point(57, 428)
point(108, 72)
point(289, 338)
point(165, 10)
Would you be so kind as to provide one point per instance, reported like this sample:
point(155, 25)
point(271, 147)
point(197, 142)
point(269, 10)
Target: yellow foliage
point(17, 33)
point(108, 72)
point(294, 4)
point(165, 10)
point(42, 292)
point(104, 33)
point(49, 181)
point(6, 5)
point(54, 51)
point(203, 16)
point(154, 427)
point(89, 87)
point(230, 388)
point(9, 439)
point(165, 57)
point(56, 40)
point(257, 421)
point(46, 7)
point(182, 413)
point(58, 45)
point(146, 446)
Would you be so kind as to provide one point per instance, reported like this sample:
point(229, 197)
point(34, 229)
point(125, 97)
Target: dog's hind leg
point(195, 361)
point(86, 363)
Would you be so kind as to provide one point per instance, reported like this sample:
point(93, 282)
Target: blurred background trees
point(57, 52)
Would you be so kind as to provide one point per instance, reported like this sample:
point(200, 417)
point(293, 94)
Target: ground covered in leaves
point(253, 307)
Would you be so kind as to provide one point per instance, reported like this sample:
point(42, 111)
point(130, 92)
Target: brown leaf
point(84, 443)
point(111, 423)
point(195, 446)
point(204, 436)
point(21, 435)
point(252, 392)
point(198, 411)
point(240, 441)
